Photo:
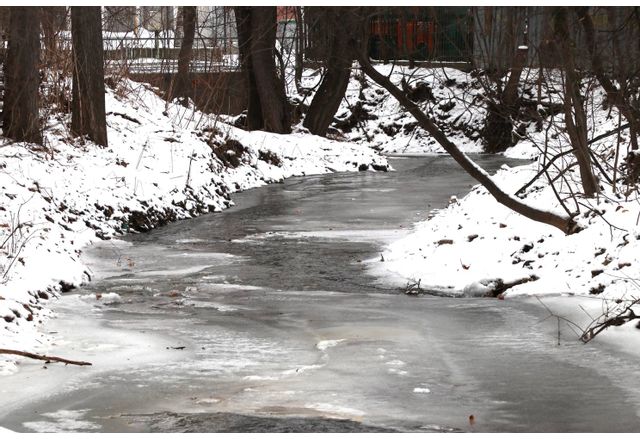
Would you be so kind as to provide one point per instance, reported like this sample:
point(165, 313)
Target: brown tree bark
point(300, 46)
point(257, 36)
point(22, 79)
point(254, 108)
point(87, 106)
point(273, 99)
point(574, 114)
point(339, 22)
point(182, 85)
point(564, 223)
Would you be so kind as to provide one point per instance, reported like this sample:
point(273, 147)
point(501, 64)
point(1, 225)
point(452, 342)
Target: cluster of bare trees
point(21, 117)
point(339, 37)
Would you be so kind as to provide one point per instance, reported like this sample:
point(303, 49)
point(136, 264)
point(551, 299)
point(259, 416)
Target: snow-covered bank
point(163, 163)
point(475, 238)
point(369, 115)
point(474, 243)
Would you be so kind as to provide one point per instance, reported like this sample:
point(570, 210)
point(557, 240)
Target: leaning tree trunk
point(87, 107)
point(273, 99)
point(564, 223)
point(325, 103)
point(182, 87)
point(254, 108)
point(22, 79)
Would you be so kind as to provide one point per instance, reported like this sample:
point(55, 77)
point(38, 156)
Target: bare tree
point(575, 116)
point(182, 83)
point(256, 39)
point(502, 48)
point(254, 110)
point(87, 107)
point(22, 79)
point(300, 47)
point(337, 23)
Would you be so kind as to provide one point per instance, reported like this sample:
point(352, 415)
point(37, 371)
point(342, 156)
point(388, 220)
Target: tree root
point(46, 358)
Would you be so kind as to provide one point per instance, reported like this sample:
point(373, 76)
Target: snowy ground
point(163, 163)
point(472, 244)
point(368, 115)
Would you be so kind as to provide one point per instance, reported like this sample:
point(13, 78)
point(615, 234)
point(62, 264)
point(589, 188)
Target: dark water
point(263, 318)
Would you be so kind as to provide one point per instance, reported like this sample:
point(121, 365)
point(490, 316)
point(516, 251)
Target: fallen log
point(46, 358)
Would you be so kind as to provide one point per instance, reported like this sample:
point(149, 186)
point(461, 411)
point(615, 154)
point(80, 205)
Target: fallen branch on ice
point(43, 357)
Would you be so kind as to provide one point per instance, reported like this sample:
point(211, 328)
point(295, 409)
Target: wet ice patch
point(62, 421)
point(176, 272)
point(301, 369)
point(354, 235)
point(326, 344)
point(220, 307)
point(396, 363)
point(438, 428)
point(208, 401)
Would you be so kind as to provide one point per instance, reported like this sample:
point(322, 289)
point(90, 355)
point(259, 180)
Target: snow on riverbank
point(464, 248)
point(369, 115)
point(163, 163)
point(475, 238)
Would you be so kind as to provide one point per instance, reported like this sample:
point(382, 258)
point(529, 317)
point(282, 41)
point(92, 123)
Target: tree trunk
point(182, 86)
point(574, 114)
point(256, 40)
point(87, 107)
point(564, 223)
point(299, 66)
point(339, 22)
point(498, 129)
point(273, 99)
point(254, 109)
point(22, 79)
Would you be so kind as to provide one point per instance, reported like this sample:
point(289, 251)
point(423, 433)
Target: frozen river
point(264, 318)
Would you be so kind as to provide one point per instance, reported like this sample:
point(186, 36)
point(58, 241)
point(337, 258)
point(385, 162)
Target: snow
point(443, 93)
point(160, 166)
point(421, 390)
point(63, 421)
point(323, 345)
point(472, 245)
